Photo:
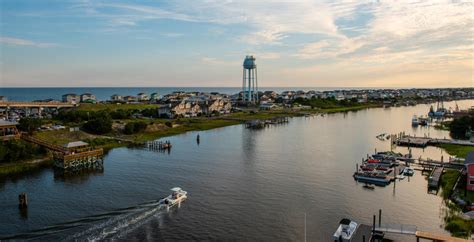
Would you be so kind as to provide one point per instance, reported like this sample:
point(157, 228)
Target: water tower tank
point(249, 62)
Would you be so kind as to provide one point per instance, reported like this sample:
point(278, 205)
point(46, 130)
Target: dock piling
point(22, 200)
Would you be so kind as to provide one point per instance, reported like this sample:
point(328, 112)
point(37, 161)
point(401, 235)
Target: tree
point(459, 126)
point(134, 127)
point(101, 124)
point(29, 124)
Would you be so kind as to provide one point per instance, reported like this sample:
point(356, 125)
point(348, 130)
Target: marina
point(244, 186)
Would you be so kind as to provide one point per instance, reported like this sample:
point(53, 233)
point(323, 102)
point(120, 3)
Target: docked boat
point(408, 171)
point(174, 198)
point(346, 230)
point(414, 121)
point(372, 178)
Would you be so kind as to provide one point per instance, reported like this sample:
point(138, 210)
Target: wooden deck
point(437, 237)
point(414, 141)
point(44, 143)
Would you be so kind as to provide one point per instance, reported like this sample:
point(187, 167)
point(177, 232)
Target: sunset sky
point(203, 43)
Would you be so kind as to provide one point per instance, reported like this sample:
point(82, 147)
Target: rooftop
point(75, 144)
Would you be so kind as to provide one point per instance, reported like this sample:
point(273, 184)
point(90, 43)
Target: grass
point(62, 137)
point(183, 127)
point(20, 168)
point(447, 182)
point(112, 106)
point(456, 150)
point(459, 226)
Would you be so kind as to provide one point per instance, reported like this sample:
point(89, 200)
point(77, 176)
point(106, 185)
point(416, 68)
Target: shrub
point(169, 124)
point(19, 150)
point(134, 127)
point(99, 125)
point(29, 124)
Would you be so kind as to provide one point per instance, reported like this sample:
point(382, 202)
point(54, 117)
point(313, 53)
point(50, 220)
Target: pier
point(159, 145)
point(413, 141)
point(73, 156)
point(258, 124)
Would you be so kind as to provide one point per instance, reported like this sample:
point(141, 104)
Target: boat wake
point(113, 225)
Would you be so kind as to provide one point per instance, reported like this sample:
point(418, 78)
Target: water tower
point(249, 80)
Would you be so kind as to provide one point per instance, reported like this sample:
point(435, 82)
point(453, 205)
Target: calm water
point(243, 185)
point(104, 93)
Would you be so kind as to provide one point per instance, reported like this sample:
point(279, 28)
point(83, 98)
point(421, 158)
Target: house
point(116, 98)
point(142, 97)
point(154, 96)
point(71, 98)
point(267, 106)
point(183, 109)
point(88, 98)
point(3, 99)
point(130, 99)
point(469, 163)
point(219, 106)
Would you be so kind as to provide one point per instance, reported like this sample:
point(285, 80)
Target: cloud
point(219, 62)
point(172, 34)
point(24, 42)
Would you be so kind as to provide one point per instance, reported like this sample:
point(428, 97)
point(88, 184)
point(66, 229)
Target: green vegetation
point(460, 126)
point(101, 124)
point(104, 143)
point(459, 226)
point(456, 150)
point(62, 137)
point(134, 127)
point(15, 150)
point(29, 124)
point(19, 168)
point(448, 180)
point(113, 106)
point(327, 103)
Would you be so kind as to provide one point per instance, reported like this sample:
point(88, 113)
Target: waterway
point(243, 185)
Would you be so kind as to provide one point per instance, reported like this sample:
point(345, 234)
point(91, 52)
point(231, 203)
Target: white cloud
point(24, 42)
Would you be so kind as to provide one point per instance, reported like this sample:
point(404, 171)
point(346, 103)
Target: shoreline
point(24, 168)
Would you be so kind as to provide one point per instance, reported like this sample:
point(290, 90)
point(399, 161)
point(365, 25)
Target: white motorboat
point(174, 198)
point(408, 171)
point(414, 121)
point(345, 231)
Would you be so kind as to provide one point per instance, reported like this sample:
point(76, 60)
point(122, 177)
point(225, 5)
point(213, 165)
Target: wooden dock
point(436, 237)
point(413, 141)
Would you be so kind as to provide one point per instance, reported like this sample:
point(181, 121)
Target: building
point(116, 98)
point(216, 106)
point(154, 96)
point(469, 162)
point(87, 98)
point(3, 99)
point(142, 97)
point(130, 99)
point(8, 130)
point(71, 98)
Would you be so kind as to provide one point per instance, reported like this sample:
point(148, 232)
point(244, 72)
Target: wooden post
point(22, 200)
point(380, 218)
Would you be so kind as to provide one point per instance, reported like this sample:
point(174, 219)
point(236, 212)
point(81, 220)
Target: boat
point(414, 121)
point(423, 121)
point(408, 171)
point(174, 198)
point(372, 178)
point(346, 230)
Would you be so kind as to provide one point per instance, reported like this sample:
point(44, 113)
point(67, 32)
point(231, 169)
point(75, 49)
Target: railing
point(46, 144)
point(96, 152)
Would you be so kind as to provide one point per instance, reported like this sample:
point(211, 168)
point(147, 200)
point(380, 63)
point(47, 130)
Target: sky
point(193, 43)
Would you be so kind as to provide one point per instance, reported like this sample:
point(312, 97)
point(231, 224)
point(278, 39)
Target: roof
point(75, 144)
point(7, 123)
point(469, 158)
